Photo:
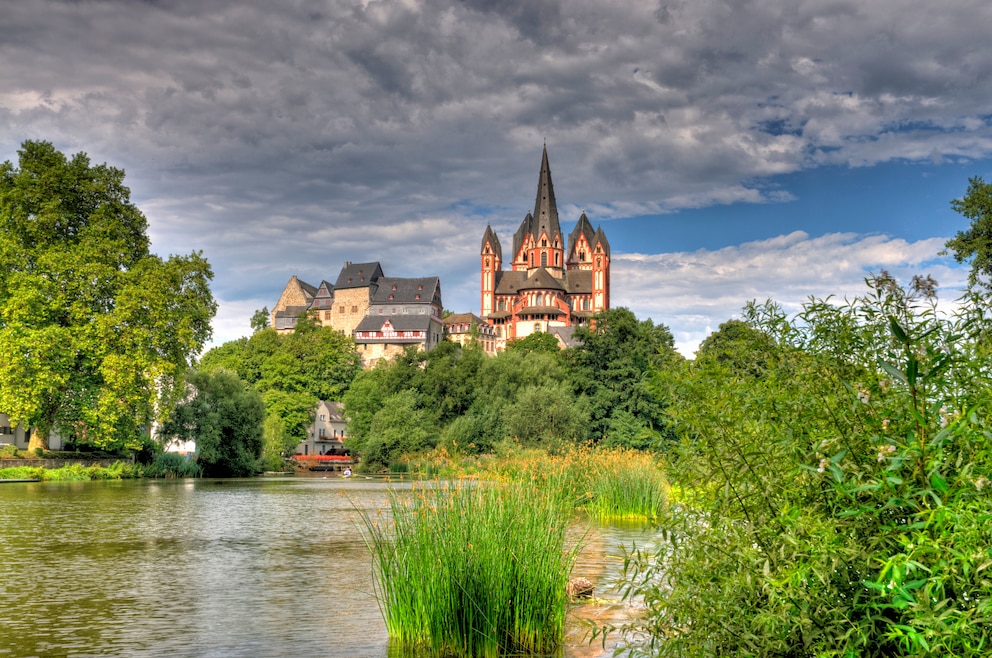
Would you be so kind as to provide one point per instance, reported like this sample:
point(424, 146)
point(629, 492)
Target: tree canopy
point(975, 243)
point(96, 332)
point(224, 417)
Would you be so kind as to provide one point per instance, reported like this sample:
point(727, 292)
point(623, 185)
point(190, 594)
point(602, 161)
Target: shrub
point(839, 494)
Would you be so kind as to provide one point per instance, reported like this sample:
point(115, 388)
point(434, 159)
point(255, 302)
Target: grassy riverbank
point(165, 465)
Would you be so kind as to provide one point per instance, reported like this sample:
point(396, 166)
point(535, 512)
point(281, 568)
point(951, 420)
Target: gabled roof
point(490, 237)
point(464, 318)
point(325, 289)
point(393, 290)
point(541, 279)
point(358, 275)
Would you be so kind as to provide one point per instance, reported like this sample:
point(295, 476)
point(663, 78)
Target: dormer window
point(419, 287)
point(394, 286)
point(349, 279)
point(418, 296)
point(390, 296)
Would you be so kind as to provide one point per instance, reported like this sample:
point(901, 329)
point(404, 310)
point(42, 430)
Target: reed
point(625, 485)
point(474, 569)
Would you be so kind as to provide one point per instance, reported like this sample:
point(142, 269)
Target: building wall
point(351, 305)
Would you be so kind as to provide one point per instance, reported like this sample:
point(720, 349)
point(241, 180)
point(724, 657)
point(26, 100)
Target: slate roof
point(601, 237)
point(292, 311)
point(399, 322)
point(582, 227)
point(578, 282)
point(545, 216)
point(508, 282)
point(464, 318)
point(491, 237)
point(358, 275)
point(541, 279)
point(405, 291)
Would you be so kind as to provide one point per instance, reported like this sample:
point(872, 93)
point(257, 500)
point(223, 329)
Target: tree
point(976, 242)
point(538, 341)
point(739, 347)
point(260, 320)
point(607, 369)
point(96, 333)
point(224, 417)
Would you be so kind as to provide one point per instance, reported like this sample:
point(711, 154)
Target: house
point(384, 315)
point(326, 435)
point(464, 328)
point(551, 284)
point(19, 436)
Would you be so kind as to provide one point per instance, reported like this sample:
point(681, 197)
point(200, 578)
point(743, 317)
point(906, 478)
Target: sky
point(731, 150)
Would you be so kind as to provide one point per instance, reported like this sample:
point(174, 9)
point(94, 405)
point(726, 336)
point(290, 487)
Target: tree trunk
point(39, 439)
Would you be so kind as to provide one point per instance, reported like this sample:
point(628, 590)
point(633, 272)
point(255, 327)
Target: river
point(254, 567)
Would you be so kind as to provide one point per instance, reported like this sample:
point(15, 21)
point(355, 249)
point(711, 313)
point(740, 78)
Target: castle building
point(550, 283)
point(384, 315)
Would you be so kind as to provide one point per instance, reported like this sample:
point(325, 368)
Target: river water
point(259, 567)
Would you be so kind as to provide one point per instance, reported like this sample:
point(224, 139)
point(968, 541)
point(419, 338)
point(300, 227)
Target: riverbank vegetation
point(840, 464)
point(164, 465)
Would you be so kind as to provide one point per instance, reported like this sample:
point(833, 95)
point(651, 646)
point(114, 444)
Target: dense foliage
point(292, 372)
point(534, 393)
point(838, 469)
point(96, 333)
point(224, 417)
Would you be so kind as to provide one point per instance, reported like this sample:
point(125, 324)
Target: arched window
point(540, 299)
point(537, 327)
point(544, 259)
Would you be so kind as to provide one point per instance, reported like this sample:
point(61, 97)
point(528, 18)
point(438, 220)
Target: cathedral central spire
point(545, 208)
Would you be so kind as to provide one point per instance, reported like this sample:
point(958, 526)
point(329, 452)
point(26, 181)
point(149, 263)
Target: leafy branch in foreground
point(840, 494)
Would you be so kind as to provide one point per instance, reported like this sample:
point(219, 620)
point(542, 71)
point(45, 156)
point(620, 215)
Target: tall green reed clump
point(474, 569)
point(625, 485)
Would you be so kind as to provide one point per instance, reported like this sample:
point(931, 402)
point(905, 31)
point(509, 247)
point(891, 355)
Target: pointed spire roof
point(582, 227)
point(490, 237)
point(601, 238)
point(545, 208)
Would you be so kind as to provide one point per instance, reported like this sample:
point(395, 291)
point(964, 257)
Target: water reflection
point(261, 567)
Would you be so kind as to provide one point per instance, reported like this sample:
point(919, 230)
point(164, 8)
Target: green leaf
point(898, 331)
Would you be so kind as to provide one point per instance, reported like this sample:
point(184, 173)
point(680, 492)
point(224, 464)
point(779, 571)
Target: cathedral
point(551, 285)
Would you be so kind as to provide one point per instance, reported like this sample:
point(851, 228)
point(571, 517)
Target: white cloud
point(693, 293)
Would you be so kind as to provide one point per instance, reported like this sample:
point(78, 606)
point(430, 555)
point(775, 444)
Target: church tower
point(492, 262)
point(550, 285)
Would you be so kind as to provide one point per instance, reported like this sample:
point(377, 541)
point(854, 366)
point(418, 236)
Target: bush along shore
point(163, 465)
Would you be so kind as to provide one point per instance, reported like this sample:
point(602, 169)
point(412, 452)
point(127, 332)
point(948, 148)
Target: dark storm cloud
point(287, 137)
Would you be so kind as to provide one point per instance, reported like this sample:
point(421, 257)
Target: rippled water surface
point(261, 567)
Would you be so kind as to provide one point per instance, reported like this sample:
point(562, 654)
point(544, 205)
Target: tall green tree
point(975, 243)
point(225, 418)
point(608, 371)
point(96, 333)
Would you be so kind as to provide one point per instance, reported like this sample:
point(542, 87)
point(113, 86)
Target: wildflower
point(886, 452)
point(981, 482)
point(885, 425)
point(863, 394)
point(823, 465)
